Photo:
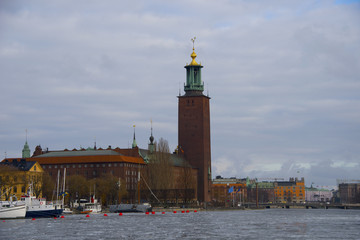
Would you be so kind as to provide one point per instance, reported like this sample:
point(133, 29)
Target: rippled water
point(252, 224)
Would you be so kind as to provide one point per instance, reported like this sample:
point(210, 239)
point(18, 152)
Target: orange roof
point(88, 159)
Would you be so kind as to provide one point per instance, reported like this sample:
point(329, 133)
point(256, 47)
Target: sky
point(283, 77)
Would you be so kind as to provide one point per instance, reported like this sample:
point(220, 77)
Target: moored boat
point(134, 208)
point(39, 207)
point(9, 210)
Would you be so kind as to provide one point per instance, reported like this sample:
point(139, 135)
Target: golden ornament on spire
point(193, 54)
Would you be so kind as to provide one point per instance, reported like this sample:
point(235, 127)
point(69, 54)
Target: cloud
point(282, 77)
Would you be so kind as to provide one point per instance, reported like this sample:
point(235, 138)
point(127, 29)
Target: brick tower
point(194, 127)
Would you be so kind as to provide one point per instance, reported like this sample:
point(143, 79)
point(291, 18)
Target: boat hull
point(13, 212)
point(44, 213)
point(133, 208)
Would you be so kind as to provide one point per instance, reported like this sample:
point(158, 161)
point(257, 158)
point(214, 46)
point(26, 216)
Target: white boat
point(85, 206)
point(9, 210)
point(39, 207)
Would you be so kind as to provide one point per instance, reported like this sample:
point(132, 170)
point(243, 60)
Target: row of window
point(15, 189)
point(89, 165)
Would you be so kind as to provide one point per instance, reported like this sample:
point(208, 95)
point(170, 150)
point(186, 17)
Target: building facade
point(292, 191)
point(194, 128)
point(318, 195)
point(228, 192)
point(16, 176)
point(349, 192)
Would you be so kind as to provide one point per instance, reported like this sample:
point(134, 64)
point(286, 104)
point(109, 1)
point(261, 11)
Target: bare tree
point(48, 185)
point(7, 181)
point(159, 171)
point(78, 187)
point(186, 182)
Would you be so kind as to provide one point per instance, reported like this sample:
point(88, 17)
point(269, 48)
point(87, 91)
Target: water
point(252, 224)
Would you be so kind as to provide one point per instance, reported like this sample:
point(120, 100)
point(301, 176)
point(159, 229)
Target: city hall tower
point(194, 127)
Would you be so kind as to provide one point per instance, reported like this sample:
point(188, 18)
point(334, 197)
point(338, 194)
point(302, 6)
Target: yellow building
point(16, 175)
point(292, 191)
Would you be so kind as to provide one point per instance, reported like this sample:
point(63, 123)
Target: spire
point(134, 144)
point(193, 54)
point(26, 149)
point(151, 138)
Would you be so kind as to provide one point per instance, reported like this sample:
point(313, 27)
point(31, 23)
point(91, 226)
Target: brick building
point(194, 127)
point(349, 192)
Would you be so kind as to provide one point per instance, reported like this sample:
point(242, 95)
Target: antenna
point(179, 89)
point(94, 143)
point(26, 132)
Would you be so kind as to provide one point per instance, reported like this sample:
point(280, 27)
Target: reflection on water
point(253, 224)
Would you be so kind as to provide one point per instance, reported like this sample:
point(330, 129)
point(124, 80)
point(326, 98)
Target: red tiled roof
point(89, 159)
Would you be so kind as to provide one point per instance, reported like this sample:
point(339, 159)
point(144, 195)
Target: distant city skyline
point(283, 80)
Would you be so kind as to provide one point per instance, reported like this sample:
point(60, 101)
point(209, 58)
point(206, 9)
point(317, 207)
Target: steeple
point(151, 143)
point(26, 149)
point(134, 144)
point(194, 85)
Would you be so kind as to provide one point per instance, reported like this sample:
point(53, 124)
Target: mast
point(57, 188)
point(138, 184)
point(63, 197)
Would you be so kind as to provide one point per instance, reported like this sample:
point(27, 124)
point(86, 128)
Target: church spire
point(151, 138)
point(26, 149)
point(134, 144)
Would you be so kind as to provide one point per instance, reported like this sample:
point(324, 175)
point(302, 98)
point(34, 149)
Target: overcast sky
point(284, 79)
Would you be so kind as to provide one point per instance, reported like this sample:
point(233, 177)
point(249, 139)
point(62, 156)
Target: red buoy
point(62, 217)
point(152, 212)
point(195, 210)
point(3, 220)
point(120, 214)
point(187, 211)
point(147, 213)
point(174, 212)
point(163, 212)
point(33, 219)
point(55, 218)
point(182, 211)
point(105, 215)
point(88, 215)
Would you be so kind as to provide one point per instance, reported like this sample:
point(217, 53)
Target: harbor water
point(250, 224)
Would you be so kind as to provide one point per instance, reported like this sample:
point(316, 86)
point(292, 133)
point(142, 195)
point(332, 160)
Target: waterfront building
point(228, 192)
point(261, 192)
point(16, 175)
point(349, 192)
point(194, 127)
point(292, 191)
point(318, 195)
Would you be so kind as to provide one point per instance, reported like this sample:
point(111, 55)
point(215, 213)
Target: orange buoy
point(105, 215)
point(62, 217)
point(88, 215)
point(120, 214)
